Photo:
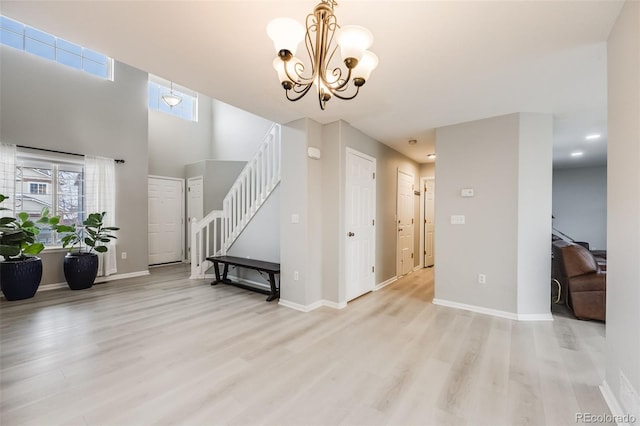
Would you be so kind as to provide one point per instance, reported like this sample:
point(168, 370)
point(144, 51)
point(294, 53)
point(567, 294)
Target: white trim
point(121, 276)
point(385, 283)
point(493, 312)
point(535, 317)
point(334, 305)
point(313, 306)
point(299, 307)
point(613, 404)
point(418, 267)
point(98, 280)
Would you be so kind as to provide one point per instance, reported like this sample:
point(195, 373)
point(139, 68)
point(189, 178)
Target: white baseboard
point(417, 268)
point(311, 307)
point(618, 415)
point(493, 312)
point(116, 277)
point(385, 283)
point(98, 280)
point(334, 305)
point(299, 307)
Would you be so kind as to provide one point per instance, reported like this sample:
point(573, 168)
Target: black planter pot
point(80, 270)
point(20, 279)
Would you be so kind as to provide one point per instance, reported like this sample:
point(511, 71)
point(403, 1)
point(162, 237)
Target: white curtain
point(8, 177)
point(100, 196)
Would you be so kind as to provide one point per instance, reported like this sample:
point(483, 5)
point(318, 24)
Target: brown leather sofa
point(584, 284)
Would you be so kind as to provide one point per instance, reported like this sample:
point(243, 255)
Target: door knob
point(399, 229)
point(351, 234)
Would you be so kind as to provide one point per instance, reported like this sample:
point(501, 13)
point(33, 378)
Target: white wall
point(580, 204)
point(496, 157)
point(623, 205)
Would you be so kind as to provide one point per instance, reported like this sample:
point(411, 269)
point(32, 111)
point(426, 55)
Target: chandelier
point(322, 37)
point(171, 99)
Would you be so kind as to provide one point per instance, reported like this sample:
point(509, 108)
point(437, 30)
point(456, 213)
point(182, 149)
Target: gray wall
point(174, 142)
point(217, 178)
point(294, 200)
point(236, 133)
point(260, 239)
point(623, 205)
point(580, 204)
point(486, 155)
point(47, 105)
point(314, 189)
point(428, 170)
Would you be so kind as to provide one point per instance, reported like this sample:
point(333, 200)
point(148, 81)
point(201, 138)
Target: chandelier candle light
point(328, 76)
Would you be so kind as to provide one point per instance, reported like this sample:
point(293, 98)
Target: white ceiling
point(441, 62)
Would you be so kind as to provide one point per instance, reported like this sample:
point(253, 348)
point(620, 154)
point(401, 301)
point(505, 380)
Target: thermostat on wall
point(466, 192)
point(313, 152)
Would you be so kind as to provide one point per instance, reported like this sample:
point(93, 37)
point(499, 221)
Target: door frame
point(423, 218)
point(183, 210)
point(187, 252)
point(344, 220)
point(398, 254)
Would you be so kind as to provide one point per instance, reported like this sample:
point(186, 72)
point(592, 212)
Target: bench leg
point(224, 274)
point(216, 268)
point(275, 292)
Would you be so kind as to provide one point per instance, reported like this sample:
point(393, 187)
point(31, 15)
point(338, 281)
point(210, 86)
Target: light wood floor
point(168, 350)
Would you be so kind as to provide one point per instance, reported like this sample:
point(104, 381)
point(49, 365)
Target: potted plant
point(81, 265)
point(21, 269)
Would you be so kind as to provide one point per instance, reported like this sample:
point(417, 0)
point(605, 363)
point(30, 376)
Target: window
point(38, 188)
point(187, 109)
point(32, 40)
point(55, 184)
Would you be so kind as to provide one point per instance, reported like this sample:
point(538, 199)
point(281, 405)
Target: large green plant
point(19, 236)
point(92, 233)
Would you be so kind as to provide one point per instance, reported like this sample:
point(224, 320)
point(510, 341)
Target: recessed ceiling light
point(592, 137)
point(431, 156)
point(577, 154)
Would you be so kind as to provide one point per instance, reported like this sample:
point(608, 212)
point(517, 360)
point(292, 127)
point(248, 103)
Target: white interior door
point(195, 205)
point(405, 222)
point(429, 221)
point(360, 224)
point(166, 220)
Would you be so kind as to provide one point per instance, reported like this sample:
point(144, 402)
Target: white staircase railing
point(216, 232)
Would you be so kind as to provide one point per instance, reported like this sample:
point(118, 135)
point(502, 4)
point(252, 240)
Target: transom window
point(29, 39)
point(187, 109)
point(55, 184)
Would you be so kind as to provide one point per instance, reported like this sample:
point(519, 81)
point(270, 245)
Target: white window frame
point(23, 159)
point(58, 49)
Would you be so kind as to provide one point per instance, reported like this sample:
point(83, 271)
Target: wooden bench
point(268, 267)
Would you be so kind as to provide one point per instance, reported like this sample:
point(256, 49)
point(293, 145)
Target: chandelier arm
point(297, 78)
point(300, 93)
point(346, 98)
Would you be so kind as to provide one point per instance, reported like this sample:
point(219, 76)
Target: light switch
point(295, 218)
point(466, 192)
point(457, 219)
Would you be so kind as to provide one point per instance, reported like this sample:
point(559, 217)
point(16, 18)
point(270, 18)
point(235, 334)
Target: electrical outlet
point(124, 254)
point(296, 276)
point(482, 279)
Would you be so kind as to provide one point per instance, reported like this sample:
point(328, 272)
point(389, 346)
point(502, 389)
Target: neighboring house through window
point(47, 182)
